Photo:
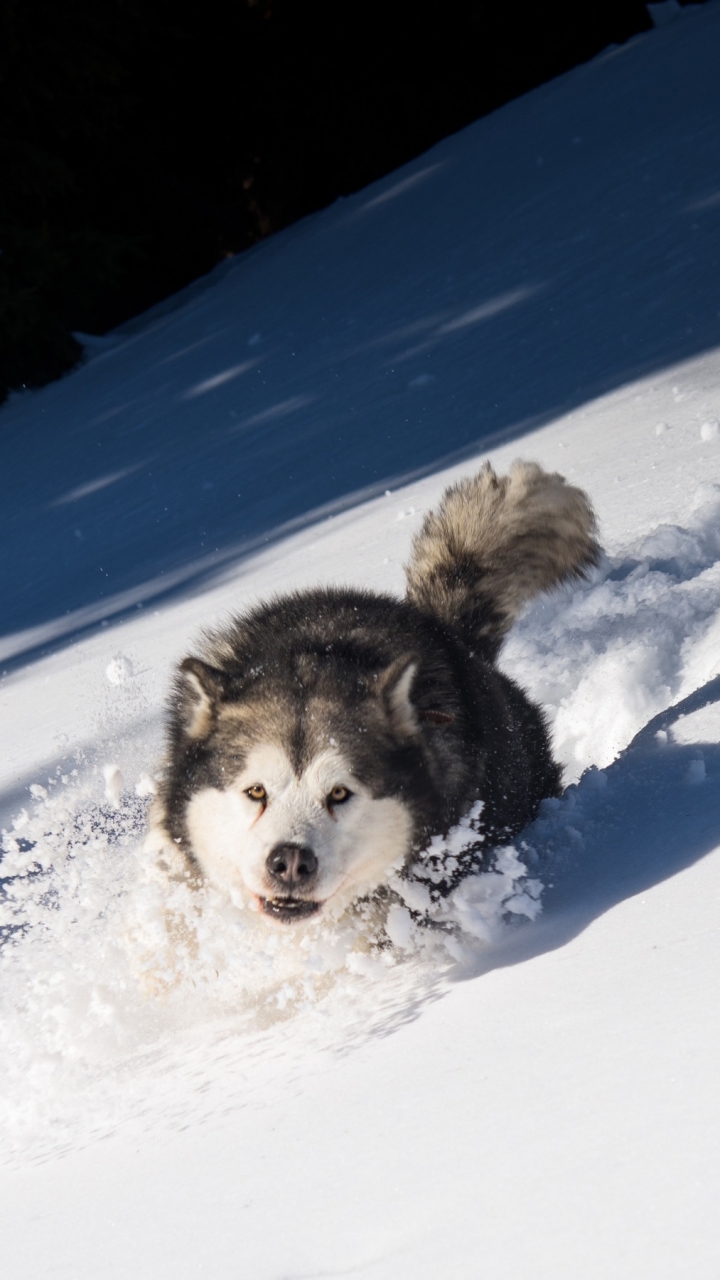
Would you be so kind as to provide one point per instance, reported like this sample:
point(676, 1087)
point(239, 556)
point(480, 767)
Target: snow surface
point(186, 1091)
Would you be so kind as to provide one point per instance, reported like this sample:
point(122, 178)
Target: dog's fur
point(325, 737)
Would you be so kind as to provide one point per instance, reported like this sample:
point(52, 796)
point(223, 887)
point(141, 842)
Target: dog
point(319, 742)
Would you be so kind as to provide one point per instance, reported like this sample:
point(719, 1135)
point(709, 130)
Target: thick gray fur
point(493, 543)
point(408, 689)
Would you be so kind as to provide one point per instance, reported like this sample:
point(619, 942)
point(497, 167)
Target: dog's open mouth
point(287, 909)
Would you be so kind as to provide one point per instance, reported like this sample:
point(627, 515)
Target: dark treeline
point(141, 141)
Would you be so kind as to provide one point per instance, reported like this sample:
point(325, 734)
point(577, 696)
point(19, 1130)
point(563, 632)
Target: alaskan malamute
point(322, 739)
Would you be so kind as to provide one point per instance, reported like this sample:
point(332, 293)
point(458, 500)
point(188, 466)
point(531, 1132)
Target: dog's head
point(299, 792)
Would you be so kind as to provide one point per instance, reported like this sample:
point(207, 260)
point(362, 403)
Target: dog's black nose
point(292, 865)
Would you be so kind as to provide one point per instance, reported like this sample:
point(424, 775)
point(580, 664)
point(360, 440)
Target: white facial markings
point(218, 826)
point(356, 841)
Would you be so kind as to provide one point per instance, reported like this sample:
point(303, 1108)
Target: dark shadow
point(651, 820)
point(559, 249)
point(203, 572)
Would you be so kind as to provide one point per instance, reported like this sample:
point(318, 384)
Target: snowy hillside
point(538, 1097)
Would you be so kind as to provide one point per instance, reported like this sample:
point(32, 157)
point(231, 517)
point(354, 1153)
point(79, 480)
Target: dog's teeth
point(286, 907)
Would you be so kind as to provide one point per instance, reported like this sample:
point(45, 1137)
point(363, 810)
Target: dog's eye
point(338, 795)
point(257, 793)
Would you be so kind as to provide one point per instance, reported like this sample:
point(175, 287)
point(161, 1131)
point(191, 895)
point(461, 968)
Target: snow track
point(605, 661)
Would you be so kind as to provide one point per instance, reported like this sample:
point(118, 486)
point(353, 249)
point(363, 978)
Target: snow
point(529, 1088)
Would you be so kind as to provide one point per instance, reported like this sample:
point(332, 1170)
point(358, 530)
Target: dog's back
point(493, 543)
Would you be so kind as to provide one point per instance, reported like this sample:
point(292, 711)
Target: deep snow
point(535, 1094)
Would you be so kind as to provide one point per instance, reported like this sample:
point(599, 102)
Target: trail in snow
point(604, 662)
point(104, 962)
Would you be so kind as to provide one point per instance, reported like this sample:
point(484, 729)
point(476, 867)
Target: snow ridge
point(603, 662)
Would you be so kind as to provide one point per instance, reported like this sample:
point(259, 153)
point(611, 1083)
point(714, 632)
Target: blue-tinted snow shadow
point(650, 815)
point(543, 257)
point(17, 650)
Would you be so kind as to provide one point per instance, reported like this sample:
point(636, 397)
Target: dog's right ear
point(395, 687)
point(200, 687)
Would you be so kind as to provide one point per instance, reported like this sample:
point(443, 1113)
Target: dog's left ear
point(395, 687)
point(201, 689)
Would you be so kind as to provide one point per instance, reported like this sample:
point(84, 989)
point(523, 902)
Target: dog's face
point(299, 803)
point(296, 840)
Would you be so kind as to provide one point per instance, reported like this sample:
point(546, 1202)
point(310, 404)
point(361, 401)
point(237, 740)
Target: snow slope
point(541, 1097)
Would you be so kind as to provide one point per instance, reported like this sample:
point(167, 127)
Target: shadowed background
point(143, 141)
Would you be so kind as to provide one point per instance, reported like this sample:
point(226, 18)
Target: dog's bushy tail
point(493, 543)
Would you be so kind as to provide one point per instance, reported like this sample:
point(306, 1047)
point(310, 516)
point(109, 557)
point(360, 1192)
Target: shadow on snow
point(552, 252)
point(653, 817)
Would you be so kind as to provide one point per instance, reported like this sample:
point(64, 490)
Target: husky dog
point(322, 739)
